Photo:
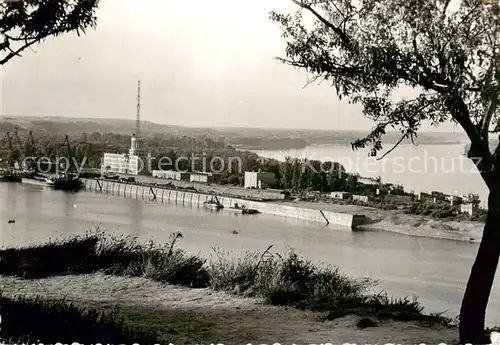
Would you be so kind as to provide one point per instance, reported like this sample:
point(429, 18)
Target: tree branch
point(346, 41)
point(408, 131)
point(396, 145)
point(486, 120)
point(18, 51)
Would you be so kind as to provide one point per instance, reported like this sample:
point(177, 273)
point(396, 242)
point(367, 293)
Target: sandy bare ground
point(184, 315)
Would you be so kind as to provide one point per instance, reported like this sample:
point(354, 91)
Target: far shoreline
point(257, 149)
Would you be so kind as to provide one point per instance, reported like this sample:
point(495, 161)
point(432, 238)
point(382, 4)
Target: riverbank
point(162, 193)
point(399, 222)
point(258, 297)
point(368, 218)
point(344, 216)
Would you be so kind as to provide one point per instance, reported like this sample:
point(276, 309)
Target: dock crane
point(31, 151)
point(14, 152)
point(10, 156)
point(19, 150)
point(72, 169)
point(31, 140)
point(16, 136)
point(10, 173)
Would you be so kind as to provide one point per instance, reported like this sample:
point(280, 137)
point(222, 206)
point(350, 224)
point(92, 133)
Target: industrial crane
point(10, 173)
point(31, 140)
point(72, 168)
point(31, 151)
point(16, 135)
point(10, 157)
point(14, 153)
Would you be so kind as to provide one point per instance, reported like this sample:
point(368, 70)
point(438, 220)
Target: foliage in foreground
point(48, 321)
point(446, 52)
point(288, 280)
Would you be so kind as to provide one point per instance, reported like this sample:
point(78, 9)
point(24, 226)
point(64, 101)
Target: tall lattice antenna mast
point(138, 116)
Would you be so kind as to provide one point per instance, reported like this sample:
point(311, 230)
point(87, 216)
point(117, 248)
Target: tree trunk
point(477, 293)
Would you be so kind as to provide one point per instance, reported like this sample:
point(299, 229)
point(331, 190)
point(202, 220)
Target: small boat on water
point(242, 209)
point(213, 204)
point(9, 176)
point(38, 180)
point(67, 182)
point(62, 182)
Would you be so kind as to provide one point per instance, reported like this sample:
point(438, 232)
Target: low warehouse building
point(170, 175)
point(204, 177)
point(340, 195)
point(362, 198)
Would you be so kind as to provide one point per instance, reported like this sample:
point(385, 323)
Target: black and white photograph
point(250, 172)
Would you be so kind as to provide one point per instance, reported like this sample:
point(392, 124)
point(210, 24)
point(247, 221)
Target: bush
point(167, 264)
point(439, 210)
point(233, 179)
point(48, 321)
point(113, 255)
point(76, 255)
point(292, 281)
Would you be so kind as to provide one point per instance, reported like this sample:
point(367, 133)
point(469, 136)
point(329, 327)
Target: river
point(435, 270)
point(419, 168)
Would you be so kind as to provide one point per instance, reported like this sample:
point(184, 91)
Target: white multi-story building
point(115, 163)
point(132, 163)
point(135, 165)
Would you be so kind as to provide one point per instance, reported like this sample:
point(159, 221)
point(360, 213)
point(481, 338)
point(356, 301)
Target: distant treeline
point(268, 143)
point(245, 138)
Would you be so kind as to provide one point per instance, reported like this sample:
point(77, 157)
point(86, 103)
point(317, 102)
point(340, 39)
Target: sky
point(201, 63)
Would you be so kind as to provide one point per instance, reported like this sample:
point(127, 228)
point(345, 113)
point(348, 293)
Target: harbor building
point(171, 175)
point(259, 179)
point(115, 163)
point(204, 177)
point(341, 195)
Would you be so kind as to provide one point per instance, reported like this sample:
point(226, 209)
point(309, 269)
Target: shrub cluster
point(435, 210)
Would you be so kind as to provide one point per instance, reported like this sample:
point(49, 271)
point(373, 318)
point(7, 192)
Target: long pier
point(181, 197)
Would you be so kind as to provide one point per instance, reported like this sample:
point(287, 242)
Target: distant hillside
point(244, 138)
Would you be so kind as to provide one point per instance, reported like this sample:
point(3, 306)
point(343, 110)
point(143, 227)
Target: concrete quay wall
point(181, 197)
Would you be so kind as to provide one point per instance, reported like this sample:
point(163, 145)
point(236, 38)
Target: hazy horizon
point(198, 66)
point(6, 117)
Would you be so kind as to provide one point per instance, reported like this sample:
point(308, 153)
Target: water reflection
point(11, 199)
point(69, 200)
point(33, 205)
point(135, 211)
